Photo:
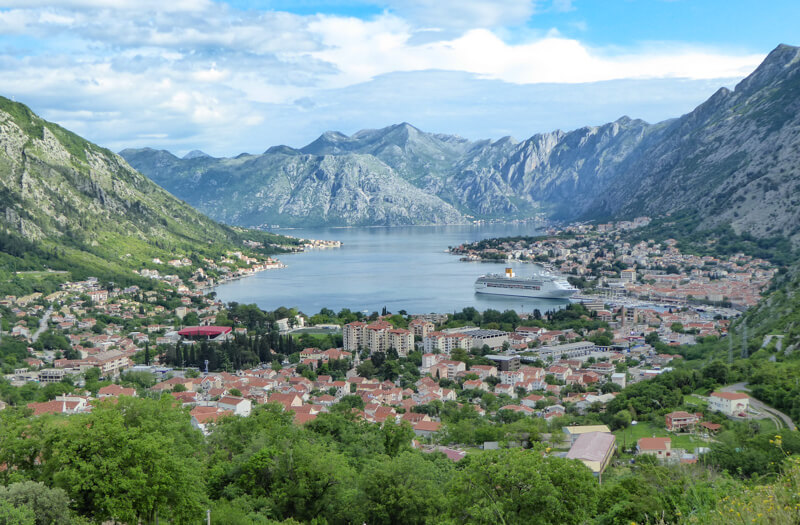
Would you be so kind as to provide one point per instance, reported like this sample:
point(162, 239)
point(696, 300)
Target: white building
point(729, 403)
point(353, 335)
point(446, 343)
point(239, 406)
point(401, 340)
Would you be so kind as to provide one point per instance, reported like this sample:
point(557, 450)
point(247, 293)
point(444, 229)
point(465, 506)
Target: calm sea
point(401, 268)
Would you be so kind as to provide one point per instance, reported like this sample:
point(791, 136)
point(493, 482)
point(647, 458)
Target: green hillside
point(67, 204)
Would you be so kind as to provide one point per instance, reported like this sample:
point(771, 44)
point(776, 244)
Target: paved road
point(42, 324)
point(772, 413)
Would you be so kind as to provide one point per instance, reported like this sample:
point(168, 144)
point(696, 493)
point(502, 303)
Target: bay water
point(400, 268)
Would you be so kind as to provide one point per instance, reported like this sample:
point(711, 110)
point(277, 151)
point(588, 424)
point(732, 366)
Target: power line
point(744, 342)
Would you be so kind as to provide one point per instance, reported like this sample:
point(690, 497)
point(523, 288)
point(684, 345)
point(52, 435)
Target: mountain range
point(731, 160)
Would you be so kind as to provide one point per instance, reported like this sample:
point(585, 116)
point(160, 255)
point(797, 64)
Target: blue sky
point(242, 75)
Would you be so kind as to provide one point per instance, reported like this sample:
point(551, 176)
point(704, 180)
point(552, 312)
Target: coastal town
point(610, 268)
point(91, 341)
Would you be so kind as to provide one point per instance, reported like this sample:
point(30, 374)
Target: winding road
point(42, 324)
point(770, 412)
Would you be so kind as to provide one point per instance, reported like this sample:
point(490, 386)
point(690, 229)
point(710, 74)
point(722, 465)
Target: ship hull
point(527, 289)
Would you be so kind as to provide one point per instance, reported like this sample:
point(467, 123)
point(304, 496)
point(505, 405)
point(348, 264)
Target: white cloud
point(382, 46)
point(202, 74)
point(463, 14)
point(116, 5)
point(563, 6)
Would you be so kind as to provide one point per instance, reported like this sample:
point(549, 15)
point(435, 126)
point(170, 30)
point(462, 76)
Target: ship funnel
point(509, 273)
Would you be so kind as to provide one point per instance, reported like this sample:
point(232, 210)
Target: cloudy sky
point(242, 75)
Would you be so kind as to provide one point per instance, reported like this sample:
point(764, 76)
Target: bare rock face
point(733, 160)
point(297, 189)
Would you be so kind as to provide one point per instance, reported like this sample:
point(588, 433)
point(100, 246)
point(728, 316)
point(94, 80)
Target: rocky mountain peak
point(781, 62)
point(196, 154)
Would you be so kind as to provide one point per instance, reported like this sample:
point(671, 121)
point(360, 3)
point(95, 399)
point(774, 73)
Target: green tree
point(302, 480)
point(366, 369)
point(622, 419)
point(396, 437)
point(522, 486)
point(349, 402)
point(131, 461)
point(49, 506)
point(407, 489)
point(11, 515)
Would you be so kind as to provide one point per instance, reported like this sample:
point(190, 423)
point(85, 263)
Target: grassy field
point(314, 331)
point(629, 436)
point(322, 341)
point(766, 425)
point(697, 401)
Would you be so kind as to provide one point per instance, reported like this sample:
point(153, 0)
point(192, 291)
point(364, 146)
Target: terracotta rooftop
point(731, 396)
point(654, 443)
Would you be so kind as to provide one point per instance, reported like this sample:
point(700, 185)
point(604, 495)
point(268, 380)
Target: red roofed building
point(421, 327)
point(414, 417)
point(185, 398)
point(680, 420)
point(531, 400)
point(115, 391)
point(288, 401)
point(238, 405)
point(729, 403)
point(204, 417)
point(59, 406)
point(427, 428)
point(208, 333)
point(711, 427)
point(659, 447)
point(301, 418)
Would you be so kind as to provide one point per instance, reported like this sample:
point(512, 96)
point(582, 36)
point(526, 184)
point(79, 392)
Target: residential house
point(680, 421)
point(660, 447)
point(427, 428)
point(238, 405)
point(729, 403)
point(115, 391)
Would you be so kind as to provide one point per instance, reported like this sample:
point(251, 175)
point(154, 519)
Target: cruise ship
point(540, 286)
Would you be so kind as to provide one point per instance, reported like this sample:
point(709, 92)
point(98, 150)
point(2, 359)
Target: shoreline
point(388, 226)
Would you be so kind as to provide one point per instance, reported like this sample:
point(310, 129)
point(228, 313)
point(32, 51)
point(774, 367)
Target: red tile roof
point(428, 426)
point(654, 443)
point(731, 396)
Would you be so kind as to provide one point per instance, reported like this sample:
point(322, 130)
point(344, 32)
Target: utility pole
point(208, 516)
